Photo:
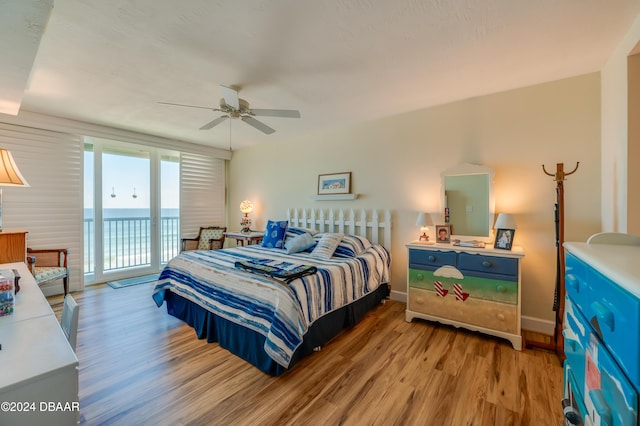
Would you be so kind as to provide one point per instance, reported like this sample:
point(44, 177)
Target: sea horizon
point(117, 213)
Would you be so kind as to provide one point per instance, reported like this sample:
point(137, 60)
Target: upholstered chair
point(47, 265)
point(209, 238)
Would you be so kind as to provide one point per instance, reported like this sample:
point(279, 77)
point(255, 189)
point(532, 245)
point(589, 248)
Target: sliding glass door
point(132, 213)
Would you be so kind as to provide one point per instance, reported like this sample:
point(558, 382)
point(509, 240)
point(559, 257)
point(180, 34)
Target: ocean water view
point(122, 213)
point(127, 238)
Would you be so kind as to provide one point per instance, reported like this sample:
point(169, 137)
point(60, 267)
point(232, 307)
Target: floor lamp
point(9, 175)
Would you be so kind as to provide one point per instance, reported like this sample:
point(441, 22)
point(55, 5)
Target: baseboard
point(538, 325)
point(399, 296)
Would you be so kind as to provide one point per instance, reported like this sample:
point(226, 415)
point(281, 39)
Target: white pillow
point(326, 246)
point(299, 243)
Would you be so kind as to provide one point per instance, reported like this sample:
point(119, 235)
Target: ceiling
point(338, 62)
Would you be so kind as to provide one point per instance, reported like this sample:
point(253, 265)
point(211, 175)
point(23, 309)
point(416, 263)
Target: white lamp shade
point(424, 220)
point(246, 206)
point(9, 173)
point(506, 221)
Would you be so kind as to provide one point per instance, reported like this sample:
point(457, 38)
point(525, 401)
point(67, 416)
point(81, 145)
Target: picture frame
point(334, 183)
point(504, 239)
point(443, 234)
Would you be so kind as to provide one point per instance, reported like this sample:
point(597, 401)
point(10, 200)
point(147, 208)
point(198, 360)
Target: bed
point(272, 308)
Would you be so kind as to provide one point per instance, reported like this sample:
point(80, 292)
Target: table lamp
point(246, 207)
point(424, 221)
point(9, 175)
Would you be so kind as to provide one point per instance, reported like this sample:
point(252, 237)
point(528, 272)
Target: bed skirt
point(249, 344)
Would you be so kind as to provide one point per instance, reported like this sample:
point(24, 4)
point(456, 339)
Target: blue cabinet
point(474, 288)
point(601, 329)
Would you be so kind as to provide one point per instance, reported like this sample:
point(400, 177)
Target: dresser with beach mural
point(474, 288)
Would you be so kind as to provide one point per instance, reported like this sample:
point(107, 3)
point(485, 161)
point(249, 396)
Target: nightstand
point(248, 238)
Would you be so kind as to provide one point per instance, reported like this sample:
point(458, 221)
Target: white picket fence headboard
point(364, 223)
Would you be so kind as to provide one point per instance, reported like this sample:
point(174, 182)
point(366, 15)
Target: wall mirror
point(467, 191)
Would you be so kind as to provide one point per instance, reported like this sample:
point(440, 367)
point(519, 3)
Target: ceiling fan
point(234, 107)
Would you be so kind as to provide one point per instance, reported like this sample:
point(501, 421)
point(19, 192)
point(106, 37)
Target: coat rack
point(557, 345)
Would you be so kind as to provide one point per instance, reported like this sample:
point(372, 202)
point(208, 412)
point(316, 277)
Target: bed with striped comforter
point(279, 311)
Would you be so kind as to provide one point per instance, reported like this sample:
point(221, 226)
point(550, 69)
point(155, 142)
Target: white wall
point(614, 136)
point(396, 164)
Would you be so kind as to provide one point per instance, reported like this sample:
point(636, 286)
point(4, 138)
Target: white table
point(39, 378)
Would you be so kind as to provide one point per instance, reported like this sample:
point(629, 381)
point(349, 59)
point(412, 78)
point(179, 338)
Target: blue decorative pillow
point(299, 243)
point(352, 246)
point(326, 246)
point(274, 234)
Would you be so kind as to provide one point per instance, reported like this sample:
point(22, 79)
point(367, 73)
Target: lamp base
point(423, 237)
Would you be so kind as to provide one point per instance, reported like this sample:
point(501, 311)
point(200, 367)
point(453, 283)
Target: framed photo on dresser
point(504, 239)
point(443, 234)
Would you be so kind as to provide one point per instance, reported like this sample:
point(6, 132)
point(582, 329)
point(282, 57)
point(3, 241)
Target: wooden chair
point(69, 320)
point(48, 265)
point(209, 238)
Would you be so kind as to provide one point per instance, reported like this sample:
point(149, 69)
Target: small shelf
point(334, 197)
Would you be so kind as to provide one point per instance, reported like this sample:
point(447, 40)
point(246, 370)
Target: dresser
point(39, 377)
point(13, 246)
point(475, 288)
point(601, 328)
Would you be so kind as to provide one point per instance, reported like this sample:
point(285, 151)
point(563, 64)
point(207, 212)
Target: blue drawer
point(576, 282)
point(572, 393)
point(489, 266)
point(431, 259)
point(576, 332)
point(609, 397)
point(615, 316)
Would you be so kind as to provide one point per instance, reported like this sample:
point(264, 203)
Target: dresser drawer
point(609, 397)
point(576, 332)
point(614, 314)
point(431, 259)
point(576, 282)
point(482, 313)
point(489, 266)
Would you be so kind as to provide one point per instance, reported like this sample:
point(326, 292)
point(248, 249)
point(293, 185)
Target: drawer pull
point(501, 288)
point(419, 277)
point(603, 314)
point(601, 406)
point(573, 282)
point(432, 258)
point(486, 264)
point(500, 317)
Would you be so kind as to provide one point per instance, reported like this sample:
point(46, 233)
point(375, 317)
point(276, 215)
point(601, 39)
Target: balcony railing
point(127, 242)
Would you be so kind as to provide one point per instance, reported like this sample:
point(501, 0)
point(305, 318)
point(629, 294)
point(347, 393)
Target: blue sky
point(121, 174)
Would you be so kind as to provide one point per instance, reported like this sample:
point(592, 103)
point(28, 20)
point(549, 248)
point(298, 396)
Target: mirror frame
point(463, 170)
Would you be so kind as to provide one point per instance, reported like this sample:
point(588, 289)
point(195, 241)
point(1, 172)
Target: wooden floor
point(138, 365)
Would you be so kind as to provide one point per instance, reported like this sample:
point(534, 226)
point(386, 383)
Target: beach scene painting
point(334, 183)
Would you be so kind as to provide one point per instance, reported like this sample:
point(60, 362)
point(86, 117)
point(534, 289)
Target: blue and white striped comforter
point(280, 312)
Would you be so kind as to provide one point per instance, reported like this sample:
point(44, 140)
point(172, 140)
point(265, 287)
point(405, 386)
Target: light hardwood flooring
point(139, 365)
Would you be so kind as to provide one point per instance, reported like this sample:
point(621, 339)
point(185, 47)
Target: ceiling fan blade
point(257, 124)
point(286, 113)
point(188, 106)
point(214, 123)
point(230, 96)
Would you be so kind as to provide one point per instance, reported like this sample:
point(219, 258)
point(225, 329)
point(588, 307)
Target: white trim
point(334, 197)
point(538, 325)
point(400, 296)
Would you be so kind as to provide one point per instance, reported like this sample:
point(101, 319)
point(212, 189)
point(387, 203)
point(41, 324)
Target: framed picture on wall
point(334, 183)
point(443, 233)
point(504, 239)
